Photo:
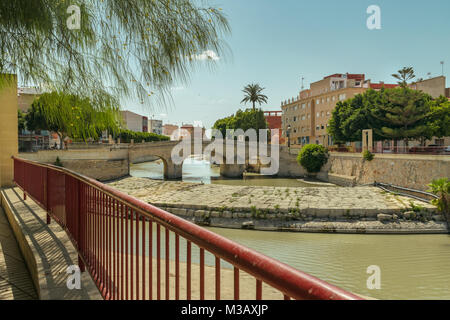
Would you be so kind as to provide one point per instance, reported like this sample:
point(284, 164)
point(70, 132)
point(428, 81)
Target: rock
point(384, 217)
point(200, 213)
point(178, 211)
point(215, 214)
point(438, 217)
point(248, 225)
point(409, 215)
point(227, 214)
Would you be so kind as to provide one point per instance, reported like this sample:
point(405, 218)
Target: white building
point(134, 122)
point(155, 126)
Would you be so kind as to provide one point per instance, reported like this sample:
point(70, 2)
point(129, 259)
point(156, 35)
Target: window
point(328, 99)
point(342, 96)
point(295, 119)
point(333, 98)
point(322, 127)
point(321, 114)
point(309, 116)
point(303, 117)
point(303, 106)
point(318, 101)
point(317, 128)
point(328, 113)
point(318, 114)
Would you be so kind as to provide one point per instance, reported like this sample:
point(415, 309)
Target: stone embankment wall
point(412, 171)
point(315, 209)
point(103, 164)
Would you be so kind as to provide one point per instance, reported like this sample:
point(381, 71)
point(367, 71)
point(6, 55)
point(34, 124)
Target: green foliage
point(351, 117)
point(367, 155)
point(404, 75)
point(58, 162)
point(127, 135)
point(441, 188)
point(22, 121)
point(403, 113)
point(253, 94)
point(124, 49)
point(248, 119)
point(72, 116)
point(312, 157)
point(438, 119)
point(398, 113)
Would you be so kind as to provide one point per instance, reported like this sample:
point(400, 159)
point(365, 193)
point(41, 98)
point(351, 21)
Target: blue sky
point(275, 43)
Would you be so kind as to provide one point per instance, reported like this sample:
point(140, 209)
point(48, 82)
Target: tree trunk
point(253, 105)
point(61, 142)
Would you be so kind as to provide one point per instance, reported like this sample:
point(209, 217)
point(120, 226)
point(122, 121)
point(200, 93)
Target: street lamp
point(288, 134)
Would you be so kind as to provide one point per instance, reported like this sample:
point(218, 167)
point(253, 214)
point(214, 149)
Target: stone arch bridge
point(144, 152)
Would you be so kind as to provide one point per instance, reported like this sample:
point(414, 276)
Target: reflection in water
point(195, 170)
point(412, 266)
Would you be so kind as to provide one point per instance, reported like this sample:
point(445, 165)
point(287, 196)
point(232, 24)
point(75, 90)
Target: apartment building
point(435, 87)
point(155, 126)
point(135, 122)
point(170, 130)
point(308, 114)
point(26, 96)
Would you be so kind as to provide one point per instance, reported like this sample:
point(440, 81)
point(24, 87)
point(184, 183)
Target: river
point(201, 171)
point(412, 266)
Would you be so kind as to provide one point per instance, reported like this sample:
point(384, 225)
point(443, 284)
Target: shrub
point(367, 155)
point(312, 157)
point(127, 135)
point(441, 188)
point(58, 162)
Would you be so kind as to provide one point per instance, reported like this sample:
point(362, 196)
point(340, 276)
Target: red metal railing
point(119, 241)
point(430, 150)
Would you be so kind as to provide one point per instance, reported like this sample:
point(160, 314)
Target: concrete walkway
point(15, 280)
point(48, 250)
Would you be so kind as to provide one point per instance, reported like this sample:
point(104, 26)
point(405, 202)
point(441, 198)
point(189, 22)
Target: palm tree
point(403, 75)
point(253, 94)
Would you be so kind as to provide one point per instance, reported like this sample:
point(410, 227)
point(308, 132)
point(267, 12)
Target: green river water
point(412, 266)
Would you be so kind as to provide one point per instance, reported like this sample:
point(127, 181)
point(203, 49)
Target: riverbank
point(324, 209)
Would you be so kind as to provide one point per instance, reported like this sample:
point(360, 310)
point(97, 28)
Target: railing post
point(49, 220)
point(80, 224)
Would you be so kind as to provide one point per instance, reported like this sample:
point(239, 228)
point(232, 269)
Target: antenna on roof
point(302, 83)
point(442, 63)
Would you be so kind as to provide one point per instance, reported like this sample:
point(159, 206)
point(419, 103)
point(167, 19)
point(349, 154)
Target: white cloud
point(206, 55)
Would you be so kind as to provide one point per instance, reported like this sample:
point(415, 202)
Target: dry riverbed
point(324, 209)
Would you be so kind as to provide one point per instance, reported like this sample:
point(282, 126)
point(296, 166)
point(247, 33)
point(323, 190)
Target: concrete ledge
point(47, 250)
point(342, 180)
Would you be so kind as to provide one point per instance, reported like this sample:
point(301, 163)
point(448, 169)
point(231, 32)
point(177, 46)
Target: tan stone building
point(26, 96)
point(435, 87)
point(308, 114)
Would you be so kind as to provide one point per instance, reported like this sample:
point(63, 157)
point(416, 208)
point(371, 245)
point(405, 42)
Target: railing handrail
point(288, 280)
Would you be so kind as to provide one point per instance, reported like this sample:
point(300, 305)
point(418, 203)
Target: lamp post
point(288, 134)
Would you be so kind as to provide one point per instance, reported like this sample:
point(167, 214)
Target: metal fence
point(131, 248)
